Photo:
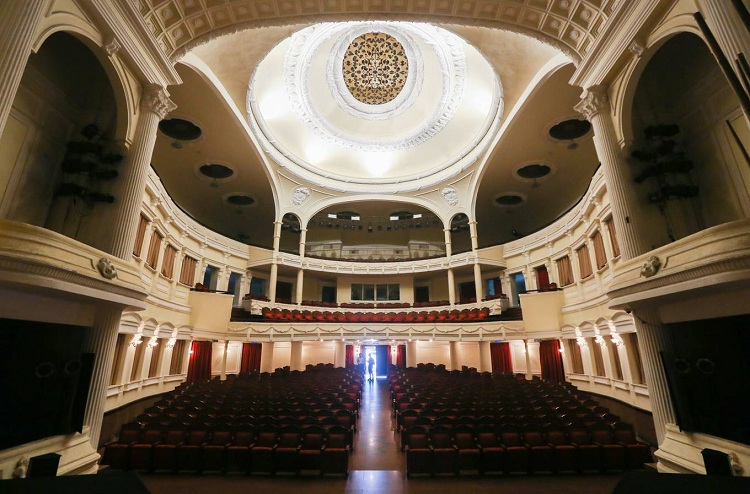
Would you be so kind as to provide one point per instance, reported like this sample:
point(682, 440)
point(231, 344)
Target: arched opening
point(688, 130)
point(59, 142)
point(290, 234)
point(460, 234)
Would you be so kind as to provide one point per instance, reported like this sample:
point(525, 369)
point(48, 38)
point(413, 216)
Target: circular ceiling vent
point(375, 68)
point(216, 171)
point(569, 130)
point(509, 200)
point(242, 200)
point(180, 129)
point(535, 171)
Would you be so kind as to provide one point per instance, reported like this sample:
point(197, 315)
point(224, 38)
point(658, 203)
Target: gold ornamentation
point(375, 68)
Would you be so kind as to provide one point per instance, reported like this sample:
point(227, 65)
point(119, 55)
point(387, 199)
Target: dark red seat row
point(467, 315)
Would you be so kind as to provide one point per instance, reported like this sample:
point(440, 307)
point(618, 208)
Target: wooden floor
point(377, 465)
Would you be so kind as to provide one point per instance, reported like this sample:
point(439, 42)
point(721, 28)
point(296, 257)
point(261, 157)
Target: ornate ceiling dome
point(372, 104)
point(375, 68)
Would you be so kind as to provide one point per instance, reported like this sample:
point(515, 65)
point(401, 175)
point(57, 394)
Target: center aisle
point(375, 444)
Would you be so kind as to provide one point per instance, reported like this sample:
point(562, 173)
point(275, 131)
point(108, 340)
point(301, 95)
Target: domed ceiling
point(374, 103)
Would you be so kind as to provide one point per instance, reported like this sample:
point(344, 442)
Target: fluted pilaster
point(339, 354)
point(295, 359)
point(266, 357)
point(272, 282)
point(155, 104)
point(485, 358)
point(300, 285)
point(455, 353)
point(18, 24)
point(478, 285)
point(451, 288)
point(652, 339)
point(594, 105)
point(411, 353)
point(101, 341)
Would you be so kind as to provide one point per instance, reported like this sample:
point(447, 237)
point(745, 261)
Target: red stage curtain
point(389, 360)
point(349, 356)
point(250, 358)
point(551, 360)
point(401, 356)
point(199, 368)
point(500, 357)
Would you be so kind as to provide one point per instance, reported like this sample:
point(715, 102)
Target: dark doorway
point(328, 294)
point(283, 292)
point(542, 277)
point(467, 292)
point(421, 293)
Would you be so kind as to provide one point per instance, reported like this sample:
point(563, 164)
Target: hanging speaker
point(43, 466)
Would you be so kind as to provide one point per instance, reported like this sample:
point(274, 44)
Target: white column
point(411, 353)
point(451, 288)
point(223, 373)
point(473, 233)
point(448, 245)
point(339, 353)
point(526, 351)
point(728, 29)
point(455, 352)
point(478, 285)
point(626, 213)
point(101, 340)
point(276, 235)
point(295, 360)
point(485, 358)
point(266, 357)
point(302, 241)
point(18, 26)
point(130, 185)
point(272, 282)
point(300, 285)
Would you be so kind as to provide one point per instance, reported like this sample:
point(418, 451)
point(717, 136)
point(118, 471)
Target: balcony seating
point(588, 453)
point(637, 453)
point(189, 456)
point(213, 453)
point(444, 452)
point(613, 453)
point(492, 454)
point(541, 453)
point(418, 452)
point(238, 450)
point(516, 451)
point(286, 450)
point(164, 454)
point(467, 450)
point(564, 453)
point(141, 453)
point(311, 448)
point(262, 450)
point(117, 453)
point(334, 455)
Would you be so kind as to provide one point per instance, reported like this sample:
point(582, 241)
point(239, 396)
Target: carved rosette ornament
point(593, 102)
point(300, 195)
point(106, 268)
point(155, 98)
point(650, 267)
point(450, 194)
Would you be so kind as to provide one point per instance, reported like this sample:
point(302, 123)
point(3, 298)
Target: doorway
point(379, 354)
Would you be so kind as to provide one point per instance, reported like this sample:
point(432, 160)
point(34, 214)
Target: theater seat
point(117, 453)
point(334, 456)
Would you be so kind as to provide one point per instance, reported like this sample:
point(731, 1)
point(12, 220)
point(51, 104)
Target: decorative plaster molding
point(650, 267)
point(593, 102)
point(106, 268)
point(300, 195)
point(304, 44)
point(112, 46)
point(155, 98)
point(636, 48)
point(450, 195)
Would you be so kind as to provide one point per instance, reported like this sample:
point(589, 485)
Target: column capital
point(594, 101)
point(155, 98)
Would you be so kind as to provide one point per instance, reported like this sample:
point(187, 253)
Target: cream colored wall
point(315, 352)
point(282, 354)
point(436, 352)
point(469, 354)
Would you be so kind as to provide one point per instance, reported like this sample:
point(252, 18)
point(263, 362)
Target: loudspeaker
point(43, 466)
point(717, 462)
point(82, 391)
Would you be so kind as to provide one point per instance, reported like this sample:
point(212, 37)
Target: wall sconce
point(581, 342)
point(137, 340)
point(617, 340)
point(171, 342)
point(599, 340)
point(153, 342)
